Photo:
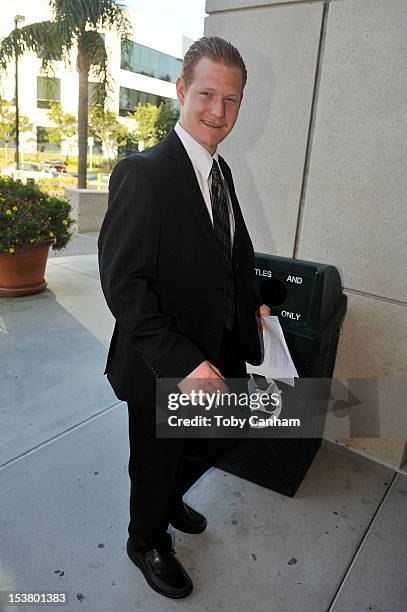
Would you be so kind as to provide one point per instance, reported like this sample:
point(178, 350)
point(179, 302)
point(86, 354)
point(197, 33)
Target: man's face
point(210, 104)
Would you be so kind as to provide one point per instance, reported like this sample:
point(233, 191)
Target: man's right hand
point(207, 377)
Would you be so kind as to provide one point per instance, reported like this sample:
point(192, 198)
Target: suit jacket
point(162, 272)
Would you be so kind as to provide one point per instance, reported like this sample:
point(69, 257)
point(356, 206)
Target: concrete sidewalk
point(339, 545)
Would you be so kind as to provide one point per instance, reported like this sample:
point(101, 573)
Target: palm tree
point(74, 27)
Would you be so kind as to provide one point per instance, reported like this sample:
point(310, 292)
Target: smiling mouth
point(211, 125)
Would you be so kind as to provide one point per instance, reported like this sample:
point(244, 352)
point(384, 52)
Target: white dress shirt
point(202, 163)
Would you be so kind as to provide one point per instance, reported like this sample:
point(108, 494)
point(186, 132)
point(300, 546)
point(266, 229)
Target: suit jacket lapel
point(235, 204)
point(187, 178)
point(228, 176)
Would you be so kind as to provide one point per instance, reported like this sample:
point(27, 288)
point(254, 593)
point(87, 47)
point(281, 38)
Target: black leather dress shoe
point(187, 519)
point(162, 571)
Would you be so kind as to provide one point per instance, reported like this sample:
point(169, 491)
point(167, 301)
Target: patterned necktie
point(221, 226)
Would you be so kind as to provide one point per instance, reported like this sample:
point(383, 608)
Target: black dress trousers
point(161, 470)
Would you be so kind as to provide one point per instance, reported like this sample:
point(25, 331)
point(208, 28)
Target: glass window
point(43, 143)
point(144, 60)
point(144, 57)
point(48, 91)
point(156, 59)
point(129, 98)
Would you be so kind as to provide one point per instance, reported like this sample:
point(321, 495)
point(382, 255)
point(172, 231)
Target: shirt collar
point(199, 156)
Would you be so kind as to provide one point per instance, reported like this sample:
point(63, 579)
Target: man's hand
point(207, 377)
point(264, 311)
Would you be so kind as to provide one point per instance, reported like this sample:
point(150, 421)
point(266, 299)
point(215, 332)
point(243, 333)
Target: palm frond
point(90, 14)
point(93, 46)
point(114, 15)
point(43, 38)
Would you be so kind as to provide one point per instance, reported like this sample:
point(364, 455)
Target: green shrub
point(30, 216)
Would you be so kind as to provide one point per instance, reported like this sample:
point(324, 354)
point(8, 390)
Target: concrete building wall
point(319, 157)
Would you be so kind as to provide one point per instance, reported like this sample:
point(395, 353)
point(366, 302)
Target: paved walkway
point(339, 545)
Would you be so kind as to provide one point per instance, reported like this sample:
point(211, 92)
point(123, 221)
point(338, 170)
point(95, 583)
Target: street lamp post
point(17, 19)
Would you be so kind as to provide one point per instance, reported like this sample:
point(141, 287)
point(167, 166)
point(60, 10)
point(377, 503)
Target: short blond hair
point(216, 49)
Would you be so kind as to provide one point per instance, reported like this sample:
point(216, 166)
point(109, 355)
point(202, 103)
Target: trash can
point(309, 301)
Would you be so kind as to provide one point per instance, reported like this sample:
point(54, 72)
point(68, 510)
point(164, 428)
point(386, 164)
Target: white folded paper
point(277, 362)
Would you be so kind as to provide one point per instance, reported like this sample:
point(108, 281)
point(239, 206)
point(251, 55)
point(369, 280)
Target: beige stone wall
point(88, 208)
point(319, 158)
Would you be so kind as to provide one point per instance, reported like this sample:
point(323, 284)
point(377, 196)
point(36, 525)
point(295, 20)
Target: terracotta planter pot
point(22, 273)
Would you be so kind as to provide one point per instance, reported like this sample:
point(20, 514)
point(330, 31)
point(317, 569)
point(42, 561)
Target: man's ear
point(180, 87)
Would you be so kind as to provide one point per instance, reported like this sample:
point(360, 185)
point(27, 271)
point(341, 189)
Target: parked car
point(27, 170)
point(55, 165)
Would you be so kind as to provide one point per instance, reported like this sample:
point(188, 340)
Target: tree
point(8, 123)
point(167, 117)
point(75, 26)
point(66, 125)
point(104, 126)
point(145, 117)
point(152, 123)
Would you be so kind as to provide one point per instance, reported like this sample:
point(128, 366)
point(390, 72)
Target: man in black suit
point(176, 265)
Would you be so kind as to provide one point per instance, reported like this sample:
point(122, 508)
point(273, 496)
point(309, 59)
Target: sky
point(185, 16)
